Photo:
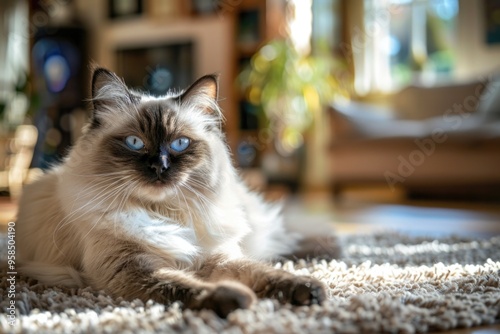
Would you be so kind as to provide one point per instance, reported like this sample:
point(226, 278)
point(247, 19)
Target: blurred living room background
point(368, 113)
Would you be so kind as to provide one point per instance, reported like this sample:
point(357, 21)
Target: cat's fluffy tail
point(52, 275)
point(317, 240)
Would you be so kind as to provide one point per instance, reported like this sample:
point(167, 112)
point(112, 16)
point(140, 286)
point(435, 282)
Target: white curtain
point(369, 30)
point(14, 44)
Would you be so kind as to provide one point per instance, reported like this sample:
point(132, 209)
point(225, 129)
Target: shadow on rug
point(382, 283)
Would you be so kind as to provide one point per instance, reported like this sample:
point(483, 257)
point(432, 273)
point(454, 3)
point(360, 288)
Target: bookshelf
point(256, 23)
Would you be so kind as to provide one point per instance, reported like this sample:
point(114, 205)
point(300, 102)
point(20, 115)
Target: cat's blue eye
point(134, 143)
point(180, 144)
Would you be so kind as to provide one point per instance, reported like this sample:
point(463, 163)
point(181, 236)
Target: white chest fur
point(186, 240)
point(178, 241)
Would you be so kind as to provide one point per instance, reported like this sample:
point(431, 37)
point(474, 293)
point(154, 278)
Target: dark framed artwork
point(156, 69)
point(124, 8)
point(492, 21)
point(249, 27)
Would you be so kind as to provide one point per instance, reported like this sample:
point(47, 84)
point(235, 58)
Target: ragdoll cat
point(148, 205)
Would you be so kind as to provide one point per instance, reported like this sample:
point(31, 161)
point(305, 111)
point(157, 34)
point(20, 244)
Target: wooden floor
point(372, 210)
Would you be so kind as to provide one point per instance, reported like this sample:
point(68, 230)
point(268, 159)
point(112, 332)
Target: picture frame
point(492, 25)
point(157, 68)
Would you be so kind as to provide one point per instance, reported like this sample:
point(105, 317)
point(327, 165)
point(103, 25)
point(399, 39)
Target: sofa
point(430, 141)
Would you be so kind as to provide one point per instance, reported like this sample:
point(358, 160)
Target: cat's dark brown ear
point(203, 93)
point(109, 94)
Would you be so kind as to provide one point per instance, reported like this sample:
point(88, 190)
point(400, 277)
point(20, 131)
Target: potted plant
point(291, 91)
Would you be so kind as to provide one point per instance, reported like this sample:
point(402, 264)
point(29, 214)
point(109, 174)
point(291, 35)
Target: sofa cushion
point(422, 102)
point(361, 121)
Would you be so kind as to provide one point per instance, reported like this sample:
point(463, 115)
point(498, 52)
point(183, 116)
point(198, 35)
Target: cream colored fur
point(73, 218)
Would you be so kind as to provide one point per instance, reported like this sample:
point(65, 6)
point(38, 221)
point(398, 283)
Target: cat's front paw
point(299, 291)
point(227, 297)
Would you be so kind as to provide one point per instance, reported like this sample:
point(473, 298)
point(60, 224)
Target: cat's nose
point(160, 165)
point(158, 168)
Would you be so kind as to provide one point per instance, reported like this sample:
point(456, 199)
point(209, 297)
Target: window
point(405, 41)
point(421, 38)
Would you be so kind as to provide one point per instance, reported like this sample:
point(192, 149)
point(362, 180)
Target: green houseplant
point(290, 91)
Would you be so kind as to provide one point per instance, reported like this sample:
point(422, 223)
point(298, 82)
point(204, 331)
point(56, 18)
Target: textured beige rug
point(383, 283)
